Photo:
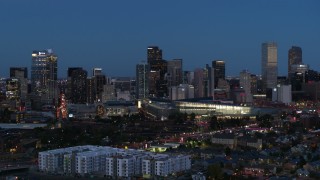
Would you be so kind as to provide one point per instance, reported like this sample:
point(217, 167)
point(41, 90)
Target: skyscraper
point(96, 71)
point(99, 81)
point(154, 53)
point(199, 87)
point(44, 76)
point(294, 58)
point(77, 85)
point(245, 83)
point(219, 68)
point(157, 73)
point(142, 87)
point(21, 73)
point(157, 81)
point(91, 90)
point(269, 65)
point(174, 74)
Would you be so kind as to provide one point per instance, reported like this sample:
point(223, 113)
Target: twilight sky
point(114, 35)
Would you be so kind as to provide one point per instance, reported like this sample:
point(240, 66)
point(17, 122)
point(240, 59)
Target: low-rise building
point(226, 139)
point(112, 162)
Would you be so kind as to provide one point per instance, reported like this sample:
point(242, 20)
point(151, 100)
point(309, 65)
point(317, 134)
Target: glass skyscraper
point(269, 64)
point(219, 68)
point(142, 86)
point(44, 76)
point(294, 58)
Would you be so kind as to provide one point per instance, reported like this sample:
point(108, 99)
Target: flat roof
point(21, 126)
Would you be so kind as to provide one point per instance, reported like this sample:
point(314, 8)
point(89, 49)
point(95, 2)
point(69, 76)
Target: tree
point(214, 123)
point(227, 151)
point(215, 172)
point(265, 120)
point(192, 116)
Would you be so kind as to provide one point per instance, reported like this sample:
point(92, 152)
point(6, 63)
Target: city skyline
point(104, 34)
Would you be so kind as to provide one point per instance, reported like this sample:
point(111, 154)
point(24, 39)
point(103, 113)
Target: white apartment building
point(164, 165)
point(114, 162)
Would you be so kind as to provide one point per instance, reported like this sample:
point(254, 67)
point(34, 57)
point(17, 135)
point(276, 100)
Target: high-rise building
point(96, 71)
point(199, 83)
point(294, 57)
point(183, 91)
point(157, 79)
point(219, 68)
point(21, 73)
point(142, 86)
point(311, 76)
point(69, 85)
point(254, 84)
point(12, 89)
point(44, 76)
point(282, 93)
point(109, 93)
point(188, 77)
point(245, 83)
point(174, 74)
point(154, 53)
point(269, 65)
point(100, 81)
point(91, 90)
point(209, 81)
point(77, 89)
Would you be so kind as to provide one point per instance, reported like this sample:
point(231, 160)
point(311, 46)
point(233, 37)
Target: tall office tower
point(174, 74)
point(77, 89)
point(209, 81)
point(299, 69)
point(294, 57)
point(245, 83)
point(100, 81)
point(142, 86)
point(97, 71)
point(44, 76)
point(269, 65)
point(297, 80)
point(219, 68)
point(254, 84)
point(199, 85)
point(21, 73)
point(183, 91)
point(109, 93)
point(68, 92)
point(157, 72)
point(157, 81)
point(91, 91)
point(13, 89)
point(188, 77)
point(154, 53)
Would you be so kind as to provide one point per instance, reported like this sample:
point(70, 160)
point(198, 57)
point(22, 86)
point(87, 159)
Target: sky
point(114, 35)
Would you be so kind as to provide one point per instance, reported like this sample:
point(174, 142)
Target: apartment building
point(112, 162)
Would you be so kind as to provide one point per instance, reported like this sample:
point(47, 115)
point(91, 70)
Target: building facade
point(219, 68)
point(142, 86)
point(269, 65)
point(44, 71)
point(154, 53)
point(21, 73)
point(77, 85)
point(245, 83)
point(112, 162)
point(294, 57)
point(174, 72)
